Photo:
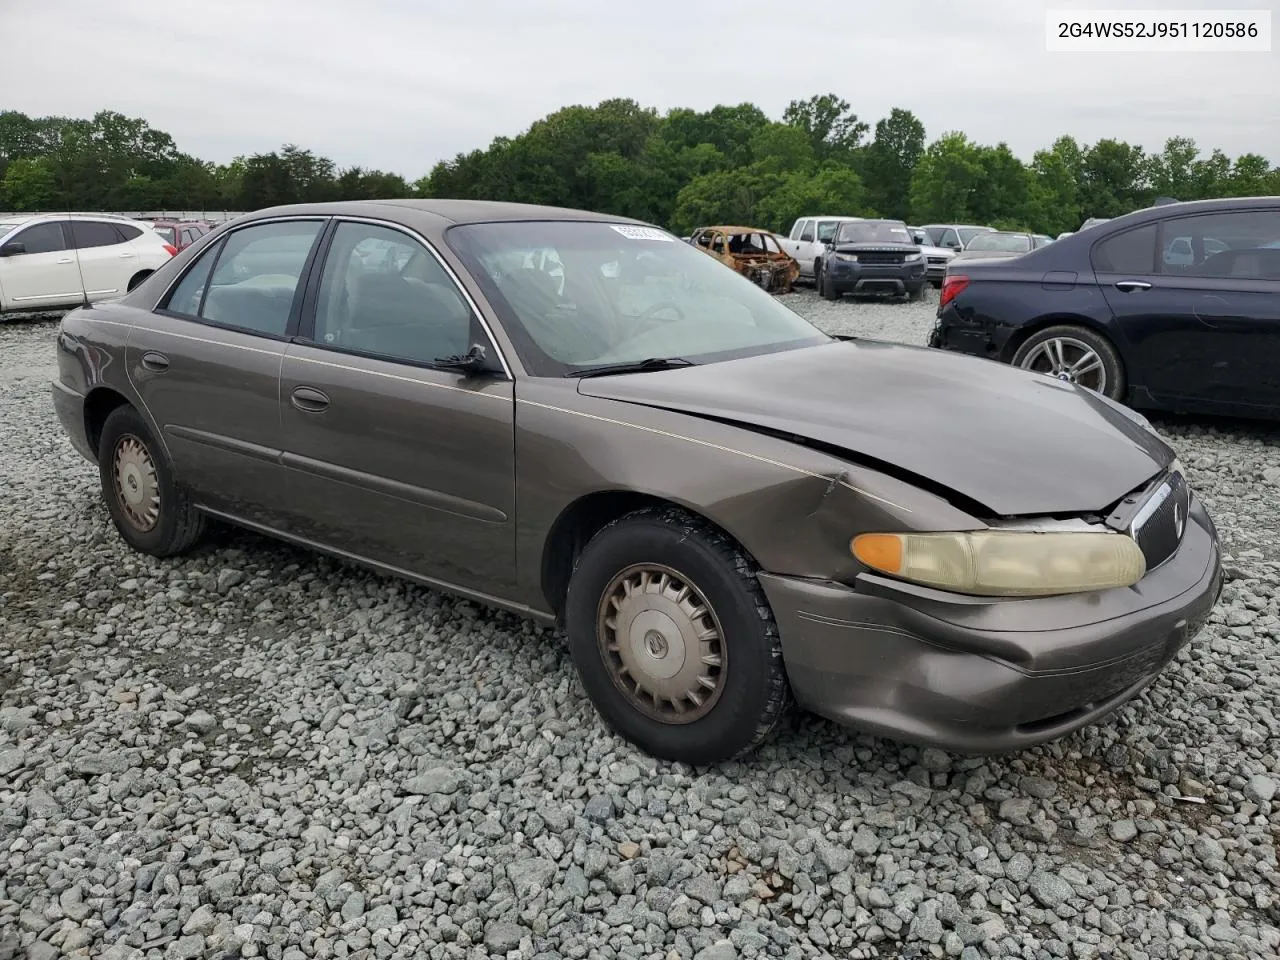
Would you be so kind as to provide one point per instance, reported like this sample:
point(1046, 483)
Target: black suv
point(872, 257)
point(1175, 307)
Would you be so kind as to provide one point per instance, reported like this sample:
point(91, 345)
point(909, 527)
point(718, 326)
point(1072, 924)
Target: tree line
point(682, 168)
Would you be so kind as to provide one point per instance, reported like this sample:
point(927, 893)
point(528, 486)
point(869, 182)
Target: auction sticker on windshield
point(642, 233)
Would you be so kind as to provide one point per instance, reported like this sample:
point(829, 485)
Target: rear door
point(1198, 299)
point(206, 365)
point(107, 259)
point(38, 267)
point(391, 456)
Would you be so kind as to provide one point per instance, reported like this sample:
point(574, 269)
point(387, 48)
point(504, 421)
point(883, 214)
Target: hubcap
point(662, 643)
point(137, 484)
point(1070, 360)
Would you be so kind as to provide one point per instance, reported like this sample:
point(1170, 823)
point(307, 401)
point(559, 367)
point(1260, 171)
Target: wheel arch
point(582, 519)
point(99, 403)
point(1023, 333)
point(138, 279)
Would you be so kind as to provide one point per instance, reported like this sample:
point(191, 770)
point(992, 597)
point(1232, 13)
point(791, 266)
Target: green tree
point(948, 181)
point(29, 185)
point(890, 162)
point(834, 131)
point(1113, 179)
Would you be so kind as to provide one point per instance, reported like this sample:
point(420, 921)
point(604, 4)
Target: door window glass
point(383, 293)
point(186, 296)
point(41, 238)
point(1241, 245)
point(807, 233)
point(91, 233)
point(1132, 252)
point(256, 277)
point(826, 230)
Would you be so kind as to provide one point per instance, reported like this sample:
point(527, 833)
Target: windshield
point(1005, 242)
point(576, 294)
point(873, 231)
point(8, 228)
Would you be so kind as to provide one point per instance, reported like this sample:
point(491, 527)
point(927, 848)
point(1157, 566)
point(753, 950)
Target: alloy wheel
point(137, 483)
point(662, 643)
point(1069, 360)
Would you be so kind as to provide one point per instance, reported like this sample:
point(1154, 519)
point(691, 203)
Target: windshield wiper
point(636, 366)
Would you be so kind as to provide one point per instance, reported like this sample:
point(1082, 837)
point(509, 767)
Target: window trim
point(295, 308)
point(304, 332)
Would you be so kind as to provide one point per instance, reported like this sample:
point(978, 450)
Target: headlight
point(1005, 564)
point(847, 257)
point(914, 258)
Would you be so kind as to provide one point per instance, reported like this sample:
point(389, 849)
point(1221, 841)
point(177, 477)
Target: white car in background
point(55, 261)
point(807, 241)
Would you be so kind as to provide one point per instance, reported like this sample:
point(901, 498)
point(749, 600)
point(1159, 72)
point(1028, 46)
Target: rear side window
point(41, 238)
point(807, 233)
point(1237, 245)
point(128, 230)
point(91, 233)
point(1132, 252)
point(254, 277)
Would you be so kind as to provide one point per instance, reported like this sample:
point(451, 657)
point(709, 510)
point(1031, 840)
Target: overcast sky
point(400, 84)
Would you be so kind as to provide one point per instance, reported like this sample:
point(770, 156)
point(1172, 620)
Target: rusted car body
point(754, 253)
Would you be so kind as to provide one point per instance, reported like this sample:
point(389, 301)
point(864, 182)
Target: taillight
point(173, 251)
point(951, 288)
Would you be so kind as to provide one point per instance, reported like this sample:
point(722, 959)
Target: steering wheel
point(659, 307)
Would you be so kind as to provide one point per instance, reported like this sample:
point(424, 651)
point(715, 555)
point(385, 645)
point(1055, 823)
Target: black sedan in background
point(1174, 307)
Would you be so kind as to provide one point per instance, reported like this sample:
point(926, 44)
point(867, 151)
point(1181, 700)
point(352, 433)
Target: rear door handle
point(157, 362)
point(309, 400)
point(1130, 285)
point(66, 260)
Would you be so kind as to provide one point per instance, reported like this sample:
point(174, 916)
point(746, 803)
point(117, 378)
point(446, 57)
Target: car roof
point(450, 211)
point(737, 229)
point(1165, 211)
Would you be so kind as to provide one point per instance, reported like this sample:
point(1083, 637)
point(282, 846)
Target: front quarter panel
point(794, 509)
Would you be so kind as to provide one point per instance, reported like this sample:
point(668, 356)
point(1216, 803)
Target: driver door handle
point(1129, 285)
point(309, 400)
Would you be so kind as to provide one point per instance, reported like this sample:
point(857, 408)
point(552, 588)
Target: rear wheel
point(151, 512)
point(674, 639)
point(1075, 355)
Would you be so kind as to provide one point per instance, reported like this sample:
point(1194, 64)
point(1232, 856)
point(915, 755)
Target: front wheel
point(827, 287)
point(151, 512)
point(1075, 355)
point(674, 639)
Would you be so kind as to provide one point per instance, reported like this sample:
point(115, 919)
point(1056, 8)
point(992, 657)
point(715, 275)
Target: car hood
point(1017, 443)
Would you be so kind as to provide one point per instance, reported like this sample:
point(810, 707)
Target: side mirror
point(474, 360)
point(956, 247)
point(13, 249)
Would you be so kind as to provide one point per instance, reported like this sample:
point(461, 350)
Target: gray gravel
point(258, 752)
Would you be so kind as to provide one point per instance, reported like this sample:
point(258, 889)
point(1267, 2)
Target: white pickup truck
point(808, 238)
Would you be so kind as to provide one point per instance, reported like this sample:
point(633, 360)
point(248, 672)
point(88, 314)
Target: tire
point(1039, 353)
point(827, 288)
point(750, 693)
point(817, 273)
point(164, 524)
point(915, 294)
point(136, 279)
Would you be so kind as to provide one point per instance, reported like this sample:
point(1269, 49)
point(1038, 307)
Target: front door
point(391, 456)
point(206, 365)
point(1198, 299)
point(107, 259)
point(38, 267)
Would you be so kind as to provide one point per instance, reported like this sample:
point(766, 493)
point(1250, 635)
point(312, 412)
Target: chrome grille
point(1158, 525)
point(938, 260)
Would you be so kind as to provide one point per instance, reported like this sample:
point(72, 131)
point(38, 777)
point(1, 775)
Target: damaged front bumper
point(979, 675)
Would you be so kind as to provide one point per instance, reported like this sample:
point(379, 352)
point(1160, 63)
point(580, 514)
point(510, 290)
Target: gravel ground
point(258, 752)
